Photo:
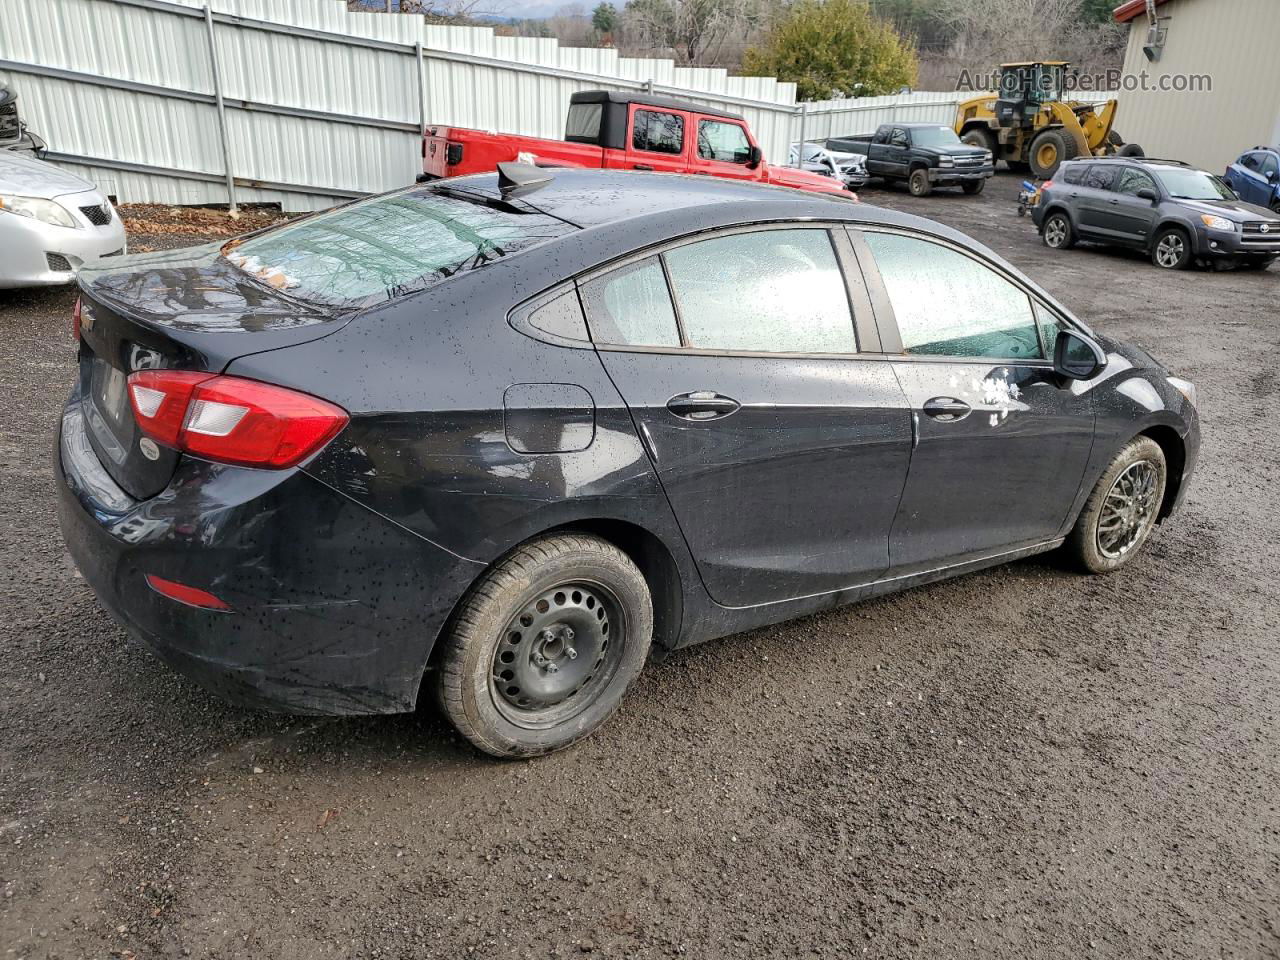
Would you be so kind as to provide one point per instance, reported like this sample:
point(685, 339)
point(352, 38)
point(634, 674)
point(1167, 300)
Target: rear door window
point(772, 291)
point(389, 246)
point(949, 304)
point(1100, 176)
point(657, 132)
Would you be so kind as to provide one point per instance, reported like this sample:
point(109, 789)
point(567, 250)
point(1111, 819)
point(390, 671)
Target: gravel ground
point(1019, 763)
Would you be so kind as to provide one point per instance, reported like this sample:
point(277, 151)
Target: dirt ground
point(1022, 763)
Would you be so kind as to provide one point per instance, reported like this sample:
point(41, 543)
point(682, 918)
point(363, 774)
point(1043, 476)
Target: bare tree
point(695, 32)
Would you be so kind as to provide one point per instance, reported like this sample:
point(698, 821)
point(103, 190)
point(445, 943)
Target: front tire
point(1049, 150)
point(1121, 511)
point(1171, 250)
point(973, 187)
point(918, 183)
point(1057, 232)
point(544, 646)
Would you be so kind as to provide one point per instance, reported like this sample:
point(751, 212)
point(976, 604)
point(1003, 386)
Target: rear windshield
point(388, 246)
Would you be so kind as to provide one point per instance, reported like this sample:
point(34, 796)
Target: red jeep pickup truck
point(623, 131)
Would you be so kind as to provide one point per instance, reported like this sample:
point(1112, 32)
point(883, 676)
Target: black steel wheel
point(544, 646)
point(1122, 510)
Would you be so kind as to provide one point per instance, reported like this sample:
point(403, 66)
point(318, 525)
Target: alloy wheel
point(557, 653)
point(1170, 250)
point(1055, 232)
point(1129, 510)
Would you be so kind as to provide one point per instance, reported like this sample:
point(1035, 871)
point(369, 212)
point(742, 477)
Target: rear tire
point(1057, 232)
point(1171, 249)
point(544, 646)
point(1049, 150)
point(918, 183)
point(1121, 511)
point(1131, 150)
point(973, 187)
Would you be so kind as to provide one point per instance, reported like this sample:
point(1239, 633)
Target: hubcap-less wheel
point(1129, 509)
point(1055, 232)
point(1170, 251)
point(556, 653)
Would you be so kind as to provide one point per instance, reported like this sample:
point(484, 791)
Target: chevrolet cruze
point(504, 434)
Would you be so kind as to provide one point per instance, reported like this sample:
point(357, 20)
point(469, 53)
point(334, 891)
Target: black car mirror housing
point(1146, 193)
point(1077, 357)
point(754, 156)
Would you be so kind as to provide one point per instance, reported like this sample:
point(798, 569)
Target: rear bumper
point(35, 253)
point(334, 608)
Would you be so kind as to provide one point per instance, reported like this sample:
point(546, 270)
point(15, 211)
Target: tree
point(694, 30)
point(834, 48)
point(604, 18)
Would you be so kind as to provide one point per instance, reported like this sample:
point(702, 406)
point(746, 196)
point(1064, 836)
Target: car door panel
point(658, 140)
point(1091, 201)
point(1000, 443)
point(999, 478)
point(781, 449)
point(792, 494)
point(1130, 218)
point(722, 150)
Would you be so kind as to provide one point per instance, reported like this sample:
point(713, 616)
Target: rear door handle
point(946, 409)
point(702, 405)
point(642, 166)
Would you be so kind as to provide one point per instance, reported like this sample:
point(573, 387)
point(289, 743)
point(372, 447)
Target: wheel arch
point(648, 551)
point(1193, 235)
point(1175, 455)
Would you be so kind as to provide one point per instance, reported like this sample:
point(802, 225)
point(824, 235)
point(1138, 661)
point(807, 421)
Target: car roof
point(648, 100)
point(1138, 161)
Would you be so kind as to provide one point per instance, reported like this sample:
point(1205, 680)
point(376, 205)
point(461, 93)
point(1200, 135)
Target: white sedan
point(52, 223)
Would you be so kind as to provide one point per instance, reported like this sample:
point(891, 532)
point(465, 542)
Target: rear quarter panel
point(482, 151)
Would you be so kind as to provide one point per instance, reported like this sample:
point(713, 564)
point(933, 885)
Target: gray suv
point(1174, 212)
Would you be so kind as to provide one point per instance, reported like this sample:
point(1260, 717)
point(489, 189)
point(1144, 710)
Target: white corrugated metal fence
point(322, 104)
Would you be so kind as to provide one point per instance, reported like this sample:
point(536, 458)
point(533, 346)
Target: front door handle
point(702, 405)
point(641, 166)
point(946, 409)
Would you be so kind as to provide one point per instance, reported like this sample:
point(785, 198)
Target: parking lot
point(1019, 763)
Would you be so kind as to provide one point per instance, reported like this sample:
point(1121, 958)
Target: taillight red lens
point(75, 319)
point(1046, 185)
point(232, 420)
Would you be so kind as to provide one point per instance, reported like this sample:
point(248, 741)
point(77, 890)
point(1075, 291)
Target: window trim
point(860, 309)
point(889, 320)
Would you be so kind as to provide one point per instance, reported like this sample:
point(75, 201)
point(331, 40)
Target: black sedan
point(506, 433)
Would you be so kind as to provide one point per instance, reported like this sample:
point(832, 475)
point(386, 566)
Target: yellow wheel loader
point(1029, 125)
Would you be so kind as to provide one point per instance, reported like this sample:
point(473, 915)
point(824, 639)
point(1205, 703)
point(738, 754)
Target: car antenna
point(518, 179)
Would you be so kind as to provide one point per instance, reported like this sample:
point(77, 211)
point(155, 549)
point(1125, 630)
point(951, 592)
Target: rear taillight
point(191, 596)
point(75, 319)
point(1046, 185)
point(230, 419)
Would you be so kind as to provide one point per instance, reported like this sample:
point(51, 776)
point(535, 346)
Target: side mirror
point(754, 156)
point(1273, 176)
point(1077, 357)
point(1146, 193)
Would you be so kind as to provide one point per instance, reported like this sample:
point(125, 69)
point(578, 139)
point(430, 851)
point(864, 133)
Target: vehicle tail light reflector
point(231, 419)
point(191, 596)
point(1046, 185)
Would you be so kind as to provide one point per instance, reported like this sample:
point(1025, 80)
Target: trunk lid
point(190, 310)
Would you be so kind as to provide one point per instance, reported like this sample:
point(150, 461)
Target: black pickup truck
point(925, 155)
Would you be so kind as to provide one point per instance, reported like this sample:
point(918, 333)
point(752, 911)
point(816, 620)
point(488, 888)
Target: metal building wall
point(1237, 44)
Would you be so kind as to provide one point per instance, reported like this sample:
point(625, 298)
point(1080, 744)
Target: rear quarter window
point(1073, 174)
point(389, 246)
